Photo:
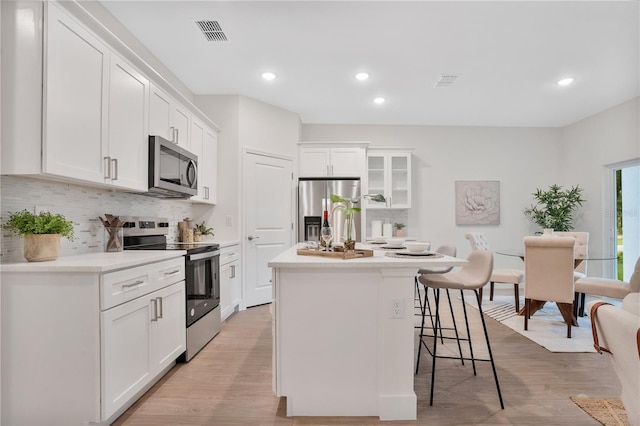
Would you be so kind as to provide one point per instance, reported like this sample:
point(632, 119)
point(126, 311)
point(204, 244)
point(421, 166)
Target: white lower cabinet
point(89, 344)
point(139, 339)
point(230, 282)
point(126, 346)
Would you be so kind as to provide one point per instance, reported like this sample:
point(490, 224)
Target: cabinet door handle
point(177, 135)
point(172, 130)
point(232, 271)
point(328, 173)
point(107, 167)
point(154, 310)
point(332, 170)
point(167, 274)
point(206, 192)
point(114, 162)
point(159, 302)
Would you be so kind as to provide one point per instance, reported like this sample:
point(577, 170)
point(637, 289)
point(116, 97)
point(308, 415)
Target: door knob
point(251, 238)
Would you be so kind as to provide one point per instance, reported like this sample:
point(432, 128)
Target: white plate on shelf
point(416, 253)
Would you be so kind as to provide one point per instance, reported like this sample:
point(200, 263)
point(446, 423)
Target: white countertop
point(94, 262)
point(290, 259)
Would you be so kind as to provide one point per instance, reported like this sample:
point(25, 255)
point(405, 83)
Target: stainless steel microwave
point(173, 171)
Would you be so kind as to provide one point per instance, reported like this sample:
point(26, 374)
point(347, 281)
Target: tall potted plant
point(554, 207)
point(41, 233)
point(347, 206)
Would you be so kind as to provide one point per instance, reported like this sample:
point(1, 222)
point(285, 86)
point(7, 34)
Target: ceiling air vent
point(211, 30)
point(446, 80)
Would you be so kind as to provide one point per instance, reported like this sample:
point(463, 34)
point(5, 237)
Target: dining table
point(578, 260)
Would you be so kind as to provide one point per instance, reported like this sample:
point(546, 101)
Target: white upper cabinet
point(128, 152)
point(76, 100)
point(210, 168)
point(74, 109)
point(204, 145)
point(389, 174)
point(168, 118)
point(322, 161)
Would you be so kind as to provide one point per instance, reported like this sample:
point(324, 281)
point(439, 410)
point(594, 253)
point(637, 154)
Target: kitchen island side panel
point(328, 342)
point(45, 318)
point(338, 351)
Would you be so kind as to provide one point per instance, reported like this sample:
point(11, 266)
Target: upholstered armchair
point(608, 287)
point(548, 266)
point(478, 241)
point(617, 331)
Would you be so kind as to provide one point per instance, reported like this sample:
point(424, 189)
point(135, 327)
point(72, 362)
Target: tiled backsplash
point(392, 215)
point(82, 205)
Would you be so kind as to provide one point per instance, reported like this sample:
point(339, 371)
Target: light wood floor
point(229, 383)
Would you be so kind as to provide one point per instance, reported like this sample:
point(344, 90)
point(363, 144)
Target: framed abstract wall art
point(477, 202)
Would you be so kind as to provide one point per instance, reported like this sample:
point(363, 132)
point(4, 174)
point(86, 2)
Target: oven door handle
point(201, 256)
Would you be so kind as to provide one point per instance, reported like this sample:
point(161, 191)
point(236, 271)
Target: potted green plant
point(41, 233)
point(399, 229)
point(347, 206)
point(200, 230)
point(554, 207)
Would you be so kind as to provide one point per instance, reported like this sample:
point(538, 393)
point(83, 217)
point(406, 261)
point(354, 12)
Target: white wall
point(520, 158)
point(246, 124)
point(226, 110)
point(589, 147)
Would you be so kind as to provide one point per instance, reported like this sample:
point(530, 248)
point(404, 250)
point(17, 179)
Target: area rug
point(608, 411)
point(546, 326)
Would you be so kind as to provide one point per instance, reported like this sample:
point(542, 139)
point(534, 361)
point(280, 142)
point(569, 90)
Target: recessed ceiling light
point(566, 81)
point(379, 100)
point(268, 76)
point(362, 76)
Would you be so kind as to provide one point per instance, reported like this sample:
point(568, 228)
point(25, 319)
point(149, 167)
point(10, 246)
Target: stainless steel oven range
point(202, 283)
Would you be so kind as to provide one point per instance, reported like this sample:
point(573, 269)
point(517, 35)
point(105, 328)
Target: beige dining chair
point(606, 287)
point(478, 241)
point(581, 249)
point(472, 276)
point(548, 266)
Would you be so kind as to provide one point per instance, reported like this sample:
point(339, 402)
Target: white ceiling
point(509, 54)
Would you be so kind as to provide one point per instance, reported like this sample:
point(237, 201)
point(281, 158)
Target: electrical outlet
point(227, 220)
point(397, 308)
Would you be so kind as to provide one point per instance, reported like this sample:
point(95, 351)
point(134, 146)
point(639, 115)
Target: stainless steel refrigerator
point(314, 197)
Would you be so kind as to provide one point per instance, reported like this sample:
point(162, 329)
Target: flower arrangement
point(347, 206)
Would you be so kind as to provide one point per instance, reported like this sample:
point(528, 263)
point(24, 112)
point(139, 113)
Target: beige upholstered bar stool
point(447, 250)
point(472, 276)
point(478, 241)
point(425, 305)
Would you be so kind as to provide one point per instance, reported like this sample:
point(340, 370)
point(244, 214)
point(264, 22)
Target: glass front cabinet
point(389, 174)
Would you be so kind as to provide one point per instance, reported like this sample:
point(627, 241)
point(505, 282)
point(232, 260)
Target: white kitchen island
point(344, 334)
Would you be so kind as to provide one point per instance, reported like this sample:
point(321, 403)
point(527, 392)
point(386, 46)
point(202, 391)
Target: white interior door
point(268, 220)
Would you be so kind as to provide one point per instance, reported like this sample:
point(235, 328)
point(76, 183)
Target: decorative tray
point(337, 254)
